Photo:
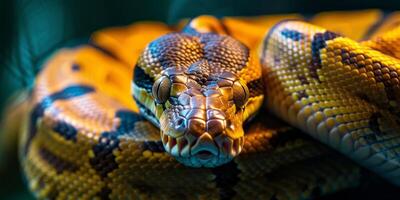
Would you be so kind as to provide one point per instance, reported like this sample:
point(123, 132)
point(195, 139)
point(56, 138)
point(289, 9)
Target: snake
point(206, 111)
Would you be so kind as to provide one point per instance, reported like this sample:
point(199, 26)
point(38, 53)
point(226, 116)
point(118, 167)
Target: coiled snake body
point(200, 88)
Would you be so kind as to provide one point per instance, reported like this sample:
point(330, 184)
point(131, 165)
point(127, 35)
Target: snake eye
point(161, 89)
point(240, 93)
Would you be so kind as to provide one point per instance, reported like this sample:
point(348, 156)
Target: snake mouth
point(204, 151)
point(204, 155)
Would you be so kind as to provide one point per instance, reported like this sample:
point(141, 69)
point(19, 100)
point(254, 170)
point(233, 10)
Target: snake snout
point(204, 148)
point(202, 127)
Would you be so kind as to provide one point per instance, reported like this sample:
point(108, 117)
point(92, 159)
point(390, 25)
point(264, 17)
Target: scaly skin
point(343, 93)
point(84, 137)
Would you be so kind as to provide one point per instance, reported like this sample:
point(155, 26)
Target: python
point(194, 115)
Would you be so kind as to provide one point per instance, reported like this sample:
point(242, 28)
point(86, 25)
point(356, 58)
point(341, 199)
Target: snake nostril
point(180, 125)
point(180, 122)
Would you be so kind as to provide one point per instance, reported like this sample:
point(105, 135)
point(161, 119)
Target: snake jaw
point(204, 145)
point(204, 150)
point(217, 142)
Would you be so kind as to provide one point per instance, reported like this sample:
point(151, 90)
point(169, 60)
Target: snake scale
point(190, 125)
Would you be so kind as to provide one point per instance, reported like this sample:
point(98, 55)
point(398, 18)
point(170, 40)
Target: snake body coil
point(341, 92)
point(197, 92)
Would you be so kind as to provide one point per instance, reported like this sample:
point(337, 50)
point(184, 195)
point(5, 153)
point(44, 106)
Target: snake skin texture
point(341, 92)
point(94, 133)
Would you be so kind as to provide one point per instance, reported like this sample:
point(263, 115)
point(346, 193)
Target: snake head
point(202, 124)
point(199, 95)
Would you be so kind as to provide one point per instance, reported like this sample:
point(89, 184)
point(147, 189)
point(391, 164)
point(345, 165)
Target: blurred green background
point(31, 29)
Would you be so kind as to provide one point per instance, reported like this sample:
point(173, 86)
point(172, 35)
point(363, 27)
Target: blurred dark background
point(31, 29)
